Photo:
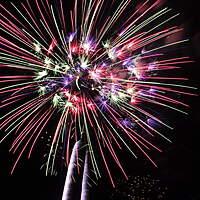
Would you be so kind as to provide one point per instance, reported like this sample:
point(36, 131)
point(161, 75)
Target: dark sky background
point(178, 165)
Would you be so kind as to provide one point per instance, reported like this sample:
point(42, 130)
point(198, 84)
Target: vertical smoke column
point(85, 189)
point(67, 192)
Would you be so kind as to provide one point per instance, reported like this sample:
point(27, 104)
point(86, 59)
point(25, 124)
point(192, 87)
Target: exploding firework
point(101, 73)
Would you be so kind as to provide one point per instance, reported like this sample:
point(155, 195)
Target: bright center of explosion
point(82, 76)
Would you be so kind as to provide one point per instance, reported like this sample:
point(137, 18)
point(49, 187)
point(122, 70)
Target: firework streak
point(85, 186)
point(102, 72)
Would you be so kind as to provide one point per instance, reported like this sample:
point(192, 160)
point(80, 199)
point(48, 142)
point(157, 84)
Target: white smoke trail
point(67, 192)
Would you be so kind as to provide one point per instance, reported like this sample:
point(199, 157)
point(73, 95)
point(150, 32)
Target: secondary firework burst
point(97, 77)
point(140, 187)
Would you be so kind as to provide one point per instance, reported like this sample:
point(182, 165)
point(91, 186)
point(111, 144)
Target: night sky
point(178, 167)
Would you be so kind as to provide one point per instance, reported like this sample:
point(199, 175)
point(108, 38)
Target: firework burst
point(95, 75)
